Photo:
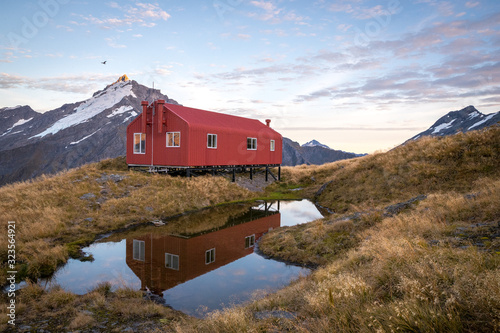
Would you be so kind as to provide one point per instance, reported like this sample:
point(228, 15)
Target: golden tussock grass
point(404, 275)
point(59, 311)
point(420, 167)
point(82, 320)
point(53, 217)
point(435, 267)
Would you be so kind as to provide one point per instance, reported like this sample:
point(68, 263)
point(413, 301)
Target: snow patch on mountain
point(441, 127)
point(101, 101)
point(474, 115)
point(482, 121)
point(120, 110)
point(88, 136)
point(18, 123)
point(132, 115)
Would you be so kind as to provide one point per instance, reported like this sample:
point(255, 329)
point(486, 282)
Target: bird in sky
point(104, 62)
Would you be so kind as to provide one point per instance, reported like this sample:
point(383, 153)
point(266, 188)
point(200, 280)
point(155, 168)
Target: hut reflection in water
point(163, 260)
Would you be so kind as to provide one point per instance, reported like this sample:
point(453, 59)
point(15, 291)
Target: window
point(138, 249)
point(249, 241)
point(172, 261)
point(251, 143)
point(211, 140)
point(173, 139)
point(139, 143)
point(210, 256)
point(271, 145)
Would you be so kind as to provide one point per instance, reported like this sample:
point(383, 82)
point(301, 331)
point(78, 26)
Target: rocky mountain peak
point(466, 119)
point(118, 84)
point(468, 110)
point(123, 78)
point(315, 143)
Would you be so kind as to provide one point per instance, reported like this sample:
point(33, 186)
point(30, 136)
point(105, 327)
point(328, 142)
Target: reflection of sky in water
point(297, 212)
point(108, 266)
point(232, 283)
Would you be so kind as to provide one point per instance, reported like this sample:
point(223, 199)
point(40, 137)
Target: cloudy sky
point(356, 75)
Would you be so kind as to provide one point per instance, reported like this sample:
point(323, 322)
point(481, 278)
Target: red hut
point(168, 137)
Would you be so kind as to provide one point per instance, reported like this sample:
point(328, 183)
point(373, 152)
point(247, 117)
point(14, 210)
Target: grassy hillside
point(429, 165)
point(55, 215)
point(387, 263)
point(413, 243)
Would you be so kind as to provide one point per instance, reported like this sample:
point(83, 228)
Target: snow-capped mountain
point(295, 154)
point(315, 143)
point(33, 143)
point(467, 119)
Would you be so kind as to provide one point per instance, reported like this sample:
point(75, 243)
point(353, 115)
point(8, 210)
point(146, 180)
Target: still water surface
point(198, 263)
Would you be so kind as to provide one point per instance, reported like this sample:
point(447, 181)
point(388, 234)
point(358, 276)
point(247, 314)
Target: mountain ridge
point(463, 120)
point(295, 154)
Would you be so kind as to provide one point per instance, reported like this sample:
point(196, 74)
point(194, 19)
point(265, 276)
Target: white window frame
point(141, 150)
point(141, 247)
point(173, 133)
point(172, 257)
point(208, 140)
point(272, 145)
point(250, 241)
point(253, 140)
point(210, 256)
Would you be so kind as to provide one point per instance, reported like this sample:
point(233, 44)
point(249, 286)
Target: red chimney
point(160, 111)
point(144, 105)
point(268, 121)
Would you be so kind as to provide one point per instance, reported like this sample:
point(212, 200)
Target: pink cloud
point(471, 4)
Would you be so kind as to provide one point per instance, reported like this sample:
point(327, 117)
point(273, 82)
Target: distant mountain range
point(32, 143)
point(467, 119)
point(312, 152)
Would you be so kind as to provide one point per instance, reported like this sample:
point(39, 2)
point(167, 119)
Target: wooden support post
point(267, 172)
point(279, 173)
point(272, 175)
point(188, 173)
point(234, 175)
point(251, 173)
